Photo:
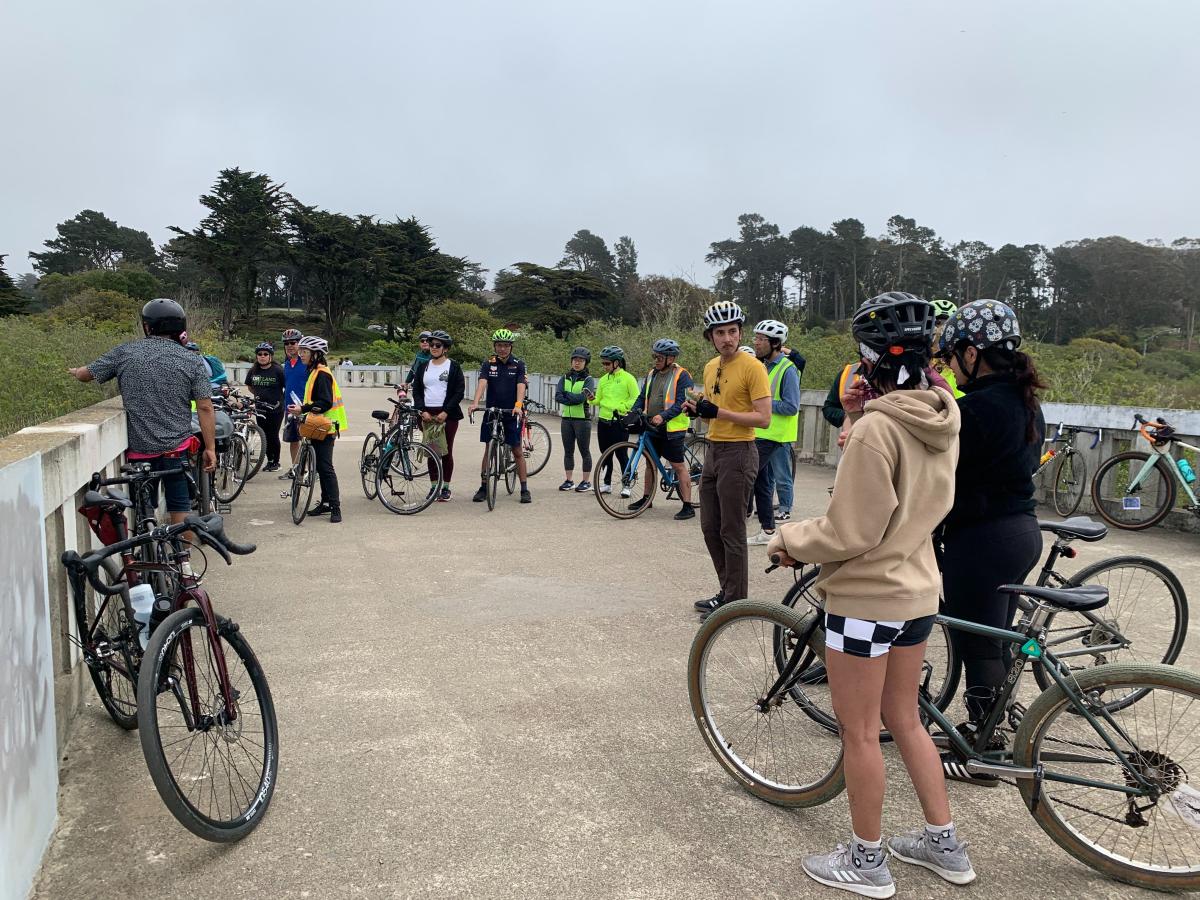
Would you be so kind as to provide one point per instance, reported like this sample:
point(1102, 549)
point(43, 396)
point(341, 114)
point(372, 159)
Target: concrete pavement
point(495, 705)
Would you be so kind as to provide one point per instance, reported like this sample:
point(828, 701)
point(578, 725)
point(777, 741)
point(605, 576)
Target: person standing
point(295, 379)
point(575, 390)
point(266, 382)
point(502, 375)
point(423, 355)
point(661, 399)
point(439, 386)
point(159, 381)
point(784, 382)
point(736, 399)
point(323, 397)
point(783, 463)
point(616, 392)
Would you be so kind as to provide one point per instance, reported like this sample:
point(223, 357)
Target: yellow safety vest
point(681, 421)
point(337, 412)
point(783, 429)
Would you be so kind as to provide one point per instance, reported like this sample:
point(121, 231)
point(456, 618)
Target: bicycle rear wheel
point(1151, 839)
point(303, 478)
point(108, 637)
point(215, 772)
point(536, 447)
point(769, 746)
point(628, 486)
point(368, 462)
point(256, 444)
point(1133, 507)
point(1070, 482)
point(510, 469)
point(409, 478)
point(695, 451)
point(232, 466)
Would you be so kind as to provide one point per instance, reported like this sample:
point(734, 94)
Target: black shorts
point(291, 432)
point(669, 446)
point(868, 639)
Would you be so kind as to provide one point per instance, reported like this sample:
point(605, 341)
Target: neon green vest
point(574, 385)
point(681, 421)
point(783, 429)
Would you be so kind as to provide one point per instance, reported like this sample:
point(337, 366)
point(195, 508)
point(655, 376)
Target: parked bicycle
point(643, 470)
point(304, 477)
point(245, 415)
point(1102, 757)
point(535, 444)
point(407, 472)
point(1135, 490)
point(204, 710)
point(1070, 470)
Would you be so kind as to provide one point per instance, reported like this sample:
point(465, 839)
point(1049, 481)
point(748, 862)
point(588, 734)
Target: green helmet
point(503, 335)
point(943, 309)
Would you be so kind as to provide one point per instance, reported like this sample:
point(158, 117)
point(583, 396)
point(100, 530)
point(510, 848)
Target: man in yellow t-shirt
point(736, 399)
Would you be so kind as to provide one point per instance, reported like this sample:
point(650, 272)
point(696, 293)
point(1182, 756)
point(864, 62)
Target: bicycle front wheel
point(630, 493)
point(495, 467)
point(232, 466)
point(112, 652)
point(409, 478)
point(764, 740)
point(1070, 481)
point(303, 478)
point(256, 444)
point(211, 742)
point(1150, 838)
point(1131, 494)
point(368, 462)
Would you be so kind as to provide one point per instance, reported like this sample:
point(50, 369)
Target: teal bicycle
point(1136, 490)
point(1103, 758)
point(641, 470)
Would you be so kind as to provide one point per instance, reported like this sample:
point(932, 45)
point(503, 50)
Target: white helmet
point(723, 312)
point(312, 342)
point(772, 328)
point(749, 350)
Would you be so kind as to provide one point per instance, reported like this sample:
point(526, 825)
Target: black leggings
point(270, 421)
point(576, 431)
point(610, 432)
point(329, 482)
point(977, 560)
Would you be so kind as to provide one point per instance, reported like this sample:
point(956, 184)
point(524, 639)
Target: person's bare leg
point(294, 449)
point(683, 477)
point(856, 687)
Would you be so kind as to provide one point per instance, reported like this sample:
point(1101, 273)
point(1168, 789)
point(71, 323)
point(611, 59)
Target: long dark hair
point(884, 374)
point(1019, 364)
point(316, 358)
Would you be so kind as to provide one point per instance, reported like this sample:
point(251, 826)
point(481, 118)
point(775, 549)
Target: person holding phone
point(575, 390)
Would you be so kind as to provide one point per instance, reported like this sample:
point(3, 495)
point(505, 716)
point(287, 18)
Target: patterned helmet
point(749, 350)
point(665, 347)
point(314, 343)
point(613, 353)
point(503, 335)
point(265, 345)
point(894, 319)
point(772, 328)
point(582, 353)
point(442, 336)
point(943, 308)
point(723, 312)
point(292, 334)
point(982, 324)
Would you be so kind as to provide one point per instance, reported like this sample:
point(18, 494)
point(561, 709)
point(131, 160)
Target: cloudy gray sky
point(507, 126)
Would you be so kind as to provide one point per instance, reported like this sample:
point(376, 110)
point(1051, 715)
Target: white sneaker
point(761, 539)
point(606, 488)
point(625, 493)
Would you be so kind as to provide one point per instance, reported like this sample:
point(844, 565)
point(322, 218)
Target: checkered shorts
point(862, 637)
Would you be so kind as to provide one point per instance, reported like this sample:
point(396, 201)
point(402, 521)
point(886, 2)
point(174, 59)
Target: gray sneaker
point(837, 870)
point(920, 849)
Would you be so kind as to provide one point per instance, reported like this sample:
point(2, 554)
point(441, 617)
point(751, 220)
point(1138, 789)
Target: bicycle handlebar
point(132, 475)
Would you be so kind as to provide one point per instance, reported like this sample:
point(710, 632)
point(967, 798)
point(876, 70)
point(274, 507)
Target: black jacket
point(995, 461)
point(456, 389)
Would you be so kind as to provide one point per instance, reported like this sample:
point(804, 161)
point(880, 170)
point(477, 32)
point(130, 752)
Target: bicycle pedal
point(283, 495)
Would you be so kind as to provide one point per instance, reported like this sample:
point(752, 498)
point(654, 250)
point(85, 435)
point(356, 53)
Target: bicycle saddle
point(95, 498)
point(381, 414)
point(1080, 527)
point(1073, 599)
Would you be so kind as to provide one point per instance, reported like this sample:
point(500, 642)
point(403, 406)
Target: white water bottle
point(141, 598)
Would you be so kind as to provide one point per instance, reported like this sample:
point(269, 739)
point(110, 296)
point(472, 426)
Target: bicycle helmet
point(265, 345)
point(193, 346)
point(314, 343)
point(503, 335)
point(895, 319)
point(773, 329)
point(442, 336)
point(723, 312)
point(943, 309)
point(981, 324)
point(613, 353)
point(424, 335)
point(749, 350)
point(163, 316)
point(292, 334)
point(665, 347)
point(582, 353)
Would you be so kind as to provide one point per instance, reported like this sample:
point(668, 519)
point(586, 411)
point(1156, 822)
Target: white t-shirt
point(437, 381)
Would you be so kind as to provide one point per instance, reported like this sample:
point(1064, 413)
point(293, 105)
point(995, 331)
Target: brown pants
point(730, 468)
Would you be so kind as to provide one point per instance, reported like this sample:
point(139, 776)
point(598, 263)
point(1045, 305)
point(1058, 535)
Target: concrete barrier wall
point(43, 471)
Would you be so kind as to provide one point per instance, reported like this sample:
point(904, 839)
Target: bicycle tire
point(536, 448)
point(493, 473)
point(695, 452)
point(116, 629)
point(1070, 482)
point(368, 464)
point(160, 710)
point(256, 446)
point(302, 482)
point(629, 478)
point(1108, 496)
point(510, 469)
point(738, 631)
point(1078, 743)
point(402, 474)
point(1128, 597)
point(203, 498)
point(232, 465)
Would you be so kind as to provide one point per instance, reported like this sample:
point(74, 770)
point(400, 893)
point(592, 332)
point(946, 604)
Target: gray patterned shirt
point(158, 380)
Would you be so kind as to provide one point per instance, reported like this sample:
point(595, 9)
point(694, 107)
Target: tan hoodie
point(895, 483)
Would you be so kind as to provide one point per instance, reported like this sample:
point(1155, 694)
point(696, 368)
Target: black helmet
point(442, 336)
point(894, 319)
point(163, 316)
point(612, 353)
point(582, 353)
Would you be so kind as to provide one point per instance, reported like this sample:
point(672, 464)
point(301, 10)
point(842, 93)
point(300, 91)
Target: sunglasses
point(436, 345)
point(717, 382)
point(263, 353)
point(290, 343)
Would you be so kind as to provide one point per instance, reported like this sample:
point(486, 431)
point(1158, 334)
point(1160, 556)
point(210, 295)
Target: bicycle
point(408, 473)
point(624, 503)
point(1070, 472)
point(1087, 755)
point(1127, 482)
point(205, 715)
point(304, 475)
point(245, 425)
point(499, 455)
point(535, 444)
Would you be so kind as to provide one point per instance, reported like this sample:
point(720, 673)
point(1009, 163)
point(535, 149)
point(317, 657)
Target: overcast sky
point(505, 127)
